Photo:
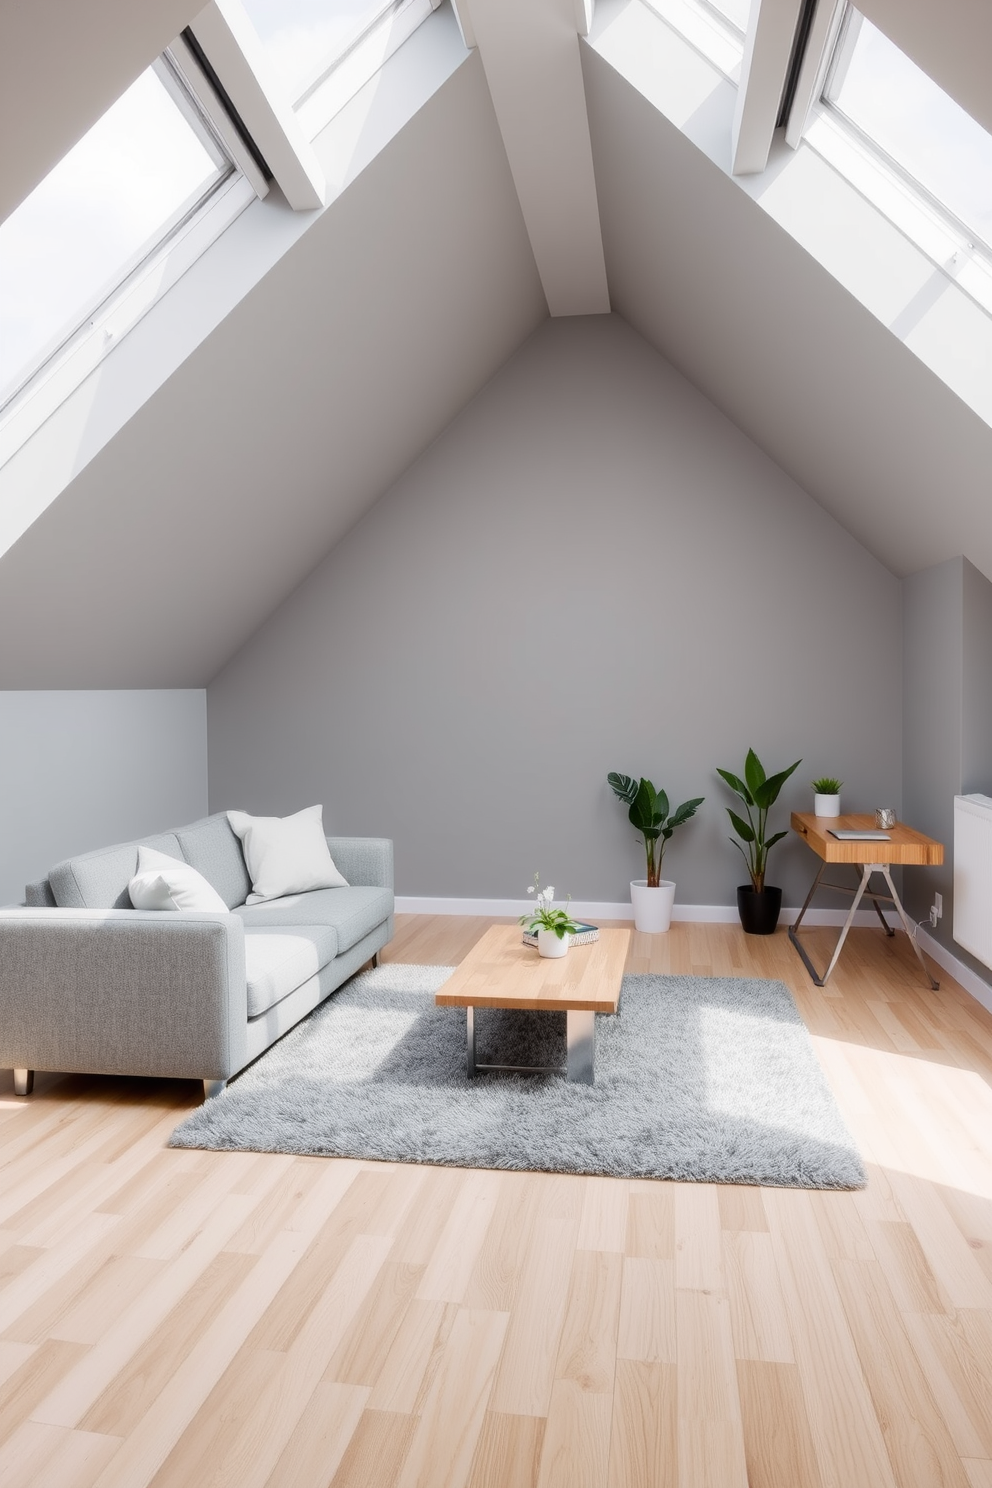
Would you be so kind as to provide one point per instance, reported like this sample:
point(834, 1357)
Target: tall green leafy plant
point(649, 815)
point(759, 792)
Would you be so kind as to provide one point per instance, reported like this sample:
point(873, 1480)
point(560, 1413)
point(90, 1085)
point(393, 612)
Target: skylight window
point(129, 184)
point(304, 38)
point(734, 11)
point(711, 29)
point(919, 127)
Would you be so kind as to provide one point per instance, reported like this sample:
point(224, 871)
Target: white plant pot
point(652, 907)
point(548, 943)
point(826, 805)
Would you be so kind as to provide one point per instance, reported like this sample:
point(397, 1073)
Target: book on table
point(585, 935)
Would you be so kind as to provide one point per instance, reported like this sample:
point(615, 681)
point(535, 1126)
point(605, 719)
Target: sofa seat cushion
point(213, 849)
point(277, 961)
point(352, 912)
point(99, 880)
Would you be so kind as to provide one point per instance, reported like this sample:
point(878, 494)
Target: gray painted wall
point(591, 569)
point(932, 701)
point(947, 719)
point(84, 769)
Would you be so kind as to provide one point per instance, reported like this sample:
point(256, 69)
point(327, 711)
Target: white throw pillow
point(286, 854)
point(162, 882)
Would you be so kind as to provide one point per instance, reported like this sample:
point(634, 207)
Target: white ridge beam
point(530, 53)
point(767, 49)
point(231, 45)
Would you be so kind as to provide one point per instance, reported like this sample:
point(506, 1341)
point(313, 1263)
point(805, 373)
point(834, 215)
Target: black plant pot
point(759, 912)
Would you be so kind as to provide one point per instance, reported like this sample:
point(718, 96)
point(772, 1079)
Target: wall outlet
point(936, 908)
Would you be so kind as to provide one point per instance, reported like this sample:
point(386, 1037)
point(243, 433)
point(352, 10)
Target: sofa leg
point(213, 1087)
point(375, 959)
point(23, 1081)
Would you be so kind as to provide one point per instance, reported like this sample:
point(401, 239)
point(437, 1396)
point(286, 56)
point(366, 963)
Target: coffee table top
point(501, 972)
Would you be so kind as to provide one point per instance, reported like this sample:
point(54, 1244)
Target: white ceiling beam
point(231, 45)
point(767, 49)
point(530, 53)
point(464, 20)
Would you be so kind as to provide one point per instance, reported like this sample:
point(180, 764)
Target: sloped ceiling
point(780, 347)
point(307, 402)
point(211, 505)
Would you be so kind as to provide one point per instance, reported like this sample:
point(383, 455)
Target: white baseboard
point(589, 909)
point(707, 914)
point(714, 914)
point(972, 983)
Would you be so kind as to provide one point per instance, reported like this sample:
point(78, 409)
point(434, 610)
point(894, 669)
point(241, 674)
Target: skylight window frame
point(344, 75)
point(950, 243)
point(707, 30)
point(127, 296)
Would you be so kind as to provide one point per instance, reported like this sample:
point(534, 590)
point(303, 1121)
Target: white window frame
point(706, 30)
point(359, 63)
point(949, 243)
point(127, 301)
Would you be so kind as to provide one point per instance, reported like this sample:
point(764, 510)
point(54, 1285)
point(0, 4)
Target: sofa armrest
point(122, 992)
point(364, 860)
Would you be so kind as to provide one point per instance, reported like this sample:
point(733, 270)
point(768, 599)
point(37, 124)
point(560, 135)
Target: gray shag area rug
point(702, 1078)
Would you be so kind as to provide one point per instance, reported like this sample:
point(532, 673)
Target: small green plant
point(543, 916)
point(648, 815)
point(827, 786)
point(759, 792)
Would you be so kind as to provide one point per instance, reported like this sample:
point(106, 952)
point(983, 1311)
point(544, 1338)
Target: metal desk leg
point(806, 902)
point(470, 1041)
point(866, 873)
point(581, 1036)
point(878, 910)
point(908, 927)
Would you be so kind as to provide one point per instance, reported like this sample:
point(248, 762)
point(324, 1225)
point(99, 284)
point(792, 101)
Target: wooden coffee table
point(501, 972)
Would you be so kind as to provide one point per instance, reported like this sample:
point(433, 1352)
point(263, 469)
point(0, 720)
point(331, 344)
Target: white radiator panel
point(973, 875)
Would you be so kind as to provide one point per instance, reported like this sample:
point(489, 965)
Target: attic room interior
point(426, 409)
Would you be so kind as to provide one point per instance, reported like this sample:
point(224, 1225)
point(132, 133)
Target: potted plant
point(758, 903)
point(551, 926)
point(826, 795)
point(652, 897)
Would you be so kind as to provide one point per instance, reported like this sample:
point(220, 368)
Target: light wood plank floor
point(177, 1318)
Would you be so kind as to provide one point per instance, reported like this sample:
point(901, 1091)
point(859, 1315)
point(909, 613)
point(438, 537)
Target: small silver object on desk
point(885, 817)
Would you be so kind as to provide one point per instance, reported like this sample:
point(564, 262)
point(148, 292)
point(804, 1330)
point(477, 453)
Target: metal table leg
point(908, 927)
point(470, 1041)
point(866, 874)
point(580, 1032)
point(867, 869)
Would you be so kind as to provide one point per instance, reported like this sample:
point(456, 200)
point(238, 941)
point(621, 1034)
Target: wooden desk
point(501, 972)
point(904, 846)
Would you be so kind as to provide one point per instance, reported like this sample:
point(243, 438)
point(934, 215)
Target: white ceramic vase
point(548, 943)
point(652, 907)
point(825, 805)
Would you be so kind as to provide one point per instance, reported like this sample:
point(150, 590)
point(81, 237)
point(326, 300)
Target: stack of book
point(585, 935)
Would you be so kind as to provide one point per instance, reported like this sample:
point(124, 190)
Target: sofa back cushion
point(212, 848)
point(99, 880)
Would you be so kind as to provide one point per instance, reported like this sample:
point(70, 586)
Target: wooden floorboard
point(174, 1317)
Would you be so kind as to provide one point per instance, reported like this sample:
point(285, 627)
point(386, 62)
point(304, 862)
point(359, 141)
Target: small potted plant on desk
point(826, 795)
point(652, 897)
point(758, 903)
point(551, 926)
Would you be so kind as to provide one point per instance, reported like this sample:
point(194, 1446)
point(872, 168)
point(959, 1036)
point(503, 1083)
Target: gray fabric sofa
point(90, 985)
